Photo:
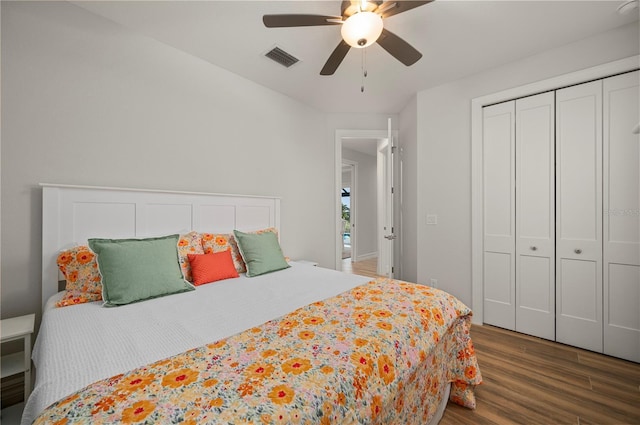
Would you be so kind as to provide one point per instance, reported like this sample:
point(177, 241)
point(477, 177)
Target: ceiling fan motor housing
point(349, 8)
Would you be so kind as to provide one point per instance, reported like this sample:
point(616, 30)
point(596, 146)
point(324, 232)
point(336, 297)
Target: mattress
point(81, 344)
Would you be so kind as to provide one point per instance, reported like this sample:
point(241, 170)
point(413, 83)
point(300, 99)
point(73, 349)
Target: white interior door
point(621, 233)
point(499, 215)
point(535, 219)
point(579, 216)
point(385, 209)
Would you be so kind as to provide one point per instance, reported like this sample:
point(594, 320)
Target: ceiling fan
point(361, 26)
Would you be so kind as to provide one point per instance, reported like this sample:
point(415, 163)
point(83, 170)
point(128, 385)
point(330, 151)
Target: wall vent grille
point(282, 57)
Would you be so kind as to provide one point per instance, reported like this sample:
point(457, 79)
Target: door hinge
point(392, 269)
point(393, 149)
point(391, 189)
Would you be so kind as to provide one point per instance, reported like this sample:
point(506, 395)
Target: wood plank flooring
point(363, 268)
point(528, 380)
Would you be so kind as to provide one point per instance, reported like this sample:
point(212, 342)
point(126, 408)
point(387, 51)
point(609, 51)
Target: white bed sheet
point(81, 344)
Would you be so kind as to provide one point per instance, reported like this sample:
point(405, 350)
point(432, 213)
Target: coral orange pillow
point(218, 242)
point(207, 268)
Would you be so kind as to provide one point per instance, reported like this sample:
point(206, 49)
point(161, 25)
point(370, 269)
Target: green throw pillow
point(261, 252)
point(138, 269)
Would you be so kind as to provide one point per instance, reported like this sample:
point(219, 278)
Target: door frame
point(477, 217)
point(337, 208)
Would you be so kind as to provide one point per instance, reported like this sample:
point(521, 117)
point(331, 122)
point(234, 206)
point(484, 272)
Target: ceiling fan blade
point(398, 48)
point(335, 59)
point(280, 21)
point(393, 7)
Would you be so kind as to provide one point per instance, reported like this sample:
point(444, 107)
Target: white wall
point(444, 150)
point(365, 196)
point(356, 121)
point(85, 101)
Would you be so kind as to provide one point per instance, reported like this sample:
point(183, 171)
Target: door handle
point(390, 237)
point(577, 251)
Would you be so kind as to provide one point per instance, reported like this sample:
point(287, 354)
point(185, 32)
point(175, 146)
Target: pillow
point(220, 242)
point(191, 243)
point(207, 268)
point(138, 269)
point(80, 270)
point(261, 252)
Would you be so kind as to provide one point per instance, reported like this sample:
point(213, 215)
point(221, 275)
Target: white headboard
point(73, 214)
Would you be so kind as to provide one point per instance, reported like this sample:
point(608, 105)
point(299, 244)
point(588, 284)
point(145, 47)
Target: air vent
point(282, 57)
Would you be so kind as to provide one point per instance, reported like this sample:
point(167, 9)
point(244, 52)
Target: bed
point(302, 344)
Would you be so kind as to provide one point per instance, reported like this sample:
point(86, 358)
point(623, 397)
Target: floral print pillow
point(219, 242)
point(80, 269)
point(190, 243)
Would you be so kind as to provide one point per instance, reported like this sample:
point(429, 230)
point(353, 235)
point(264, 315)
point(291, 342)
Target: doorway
point(348, 197)
point(363, 219)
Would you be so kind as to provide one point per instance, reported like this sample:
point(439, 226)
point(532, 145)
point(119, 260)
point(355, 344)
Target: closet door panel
point(579, 290)
point(624, 289)
point(498, 289)
point(535, 216)
point(622, 321)
point(579, 216)
point(621, 204)
point(533, 293)
point(499, 215)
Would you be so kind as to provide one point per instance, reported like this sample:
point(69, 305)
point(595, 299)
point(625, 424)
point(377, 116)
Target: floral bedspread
point(379, 353)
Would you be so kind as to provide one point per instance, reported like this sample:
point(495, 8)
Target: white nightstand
point(14, 329)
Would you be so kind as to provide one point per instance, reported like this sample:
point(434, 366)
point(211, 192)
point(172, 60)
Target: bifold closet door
point(621, 184)
point(579, 216)
point(499, 215)
point(535, 215)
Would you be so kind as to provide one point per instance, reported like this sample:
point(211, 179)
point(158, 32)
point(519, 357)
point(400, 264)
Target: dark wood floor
point(528, 380)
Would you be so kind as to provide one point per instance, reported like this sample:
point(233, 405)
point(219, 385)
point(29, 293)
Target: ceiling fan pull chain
point(364, 53)
point(364, 69)
point(362, 72)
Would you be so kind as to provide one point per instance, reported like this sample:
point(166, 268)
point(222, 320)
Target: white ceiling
point(456, 38)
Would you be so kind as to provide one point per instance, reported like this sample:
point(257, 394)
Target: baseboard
point(367, 256)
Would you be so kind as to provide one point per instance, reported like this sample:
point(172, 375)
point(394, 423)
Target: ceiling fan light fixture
point(362, 29)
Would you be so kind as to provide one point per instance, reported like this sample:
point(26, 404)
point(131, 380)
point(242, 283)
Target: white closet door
point(579, 216)
point(499, 215)
point(535, 216)
point(621, 193)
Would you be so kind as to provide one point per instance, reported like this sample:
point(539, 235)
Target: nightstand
point(14, 329)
